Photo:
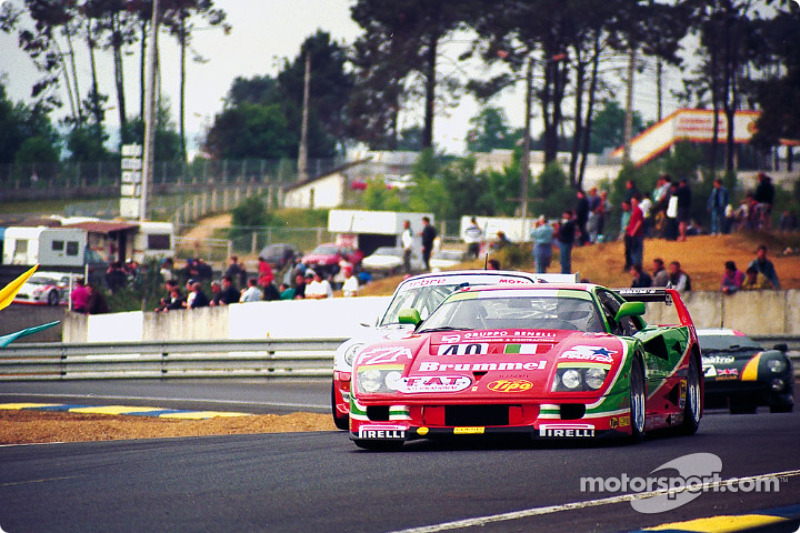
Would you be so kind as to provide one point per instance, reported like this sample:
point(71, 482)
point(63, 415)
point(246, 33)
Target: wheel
point(691, 410)
point(638, 399)
point(742, 406)
point(341, 422)
point(782, 404)
point(379, 445)
point(52, 298)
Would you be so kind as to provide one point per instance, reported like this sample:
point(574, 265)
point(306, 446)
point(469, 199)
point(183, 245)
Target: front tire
point(52, 298)
point(341, 422)
point(638, 400)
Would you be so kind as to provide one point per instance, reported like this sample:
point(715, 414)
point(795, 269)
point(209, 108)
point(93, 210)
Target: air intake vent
point(476, 415)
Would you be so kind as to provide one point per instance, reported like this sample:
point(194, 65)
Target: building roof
point(103, 227)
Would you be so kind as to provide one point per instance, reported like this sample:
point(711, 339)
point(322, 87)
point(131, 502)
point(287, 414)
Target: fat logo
point(415, 385)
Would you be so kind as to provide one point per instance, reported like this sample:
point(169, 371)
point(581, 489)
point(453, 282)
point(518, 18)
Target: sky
point(264, 32)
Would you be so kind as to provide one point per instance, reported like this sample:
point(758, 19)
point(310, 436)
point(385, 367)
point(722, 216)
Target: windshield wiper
point(444, 328)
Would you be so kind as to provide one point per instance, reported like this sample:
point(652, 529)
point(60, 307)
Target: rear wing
point(659, 295)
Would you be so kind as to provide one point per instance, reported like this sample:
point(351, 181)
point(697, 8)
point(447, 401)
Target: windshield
point(723, 343)
point(423, 299)
point(519, 312)
point(38, 280)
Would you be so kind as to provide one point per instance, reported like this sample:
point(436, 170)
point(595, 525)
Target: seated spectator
point(79, 296)
point(732, 279)
point(350, 287)
point(216, 293)
point(660, 274)
point(197, 298)
point(299, 286)
point(97, 303)
point(678, 279)
point(319, 288)
point(252, 293)
point(271, 292)
point(501, 241)
point(228, 293)
point(287, 292)
point(640, 277)
point(492, 264)
point(755, 281)
point(765, 266)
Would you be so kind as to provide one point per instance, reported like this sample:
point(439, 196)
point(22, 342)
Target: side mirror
point(783, 347)
point(409, 316)
point(630, 309)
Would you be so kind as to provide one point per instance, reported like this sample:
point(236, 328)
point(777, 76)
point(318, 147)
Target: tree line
point(570, 55)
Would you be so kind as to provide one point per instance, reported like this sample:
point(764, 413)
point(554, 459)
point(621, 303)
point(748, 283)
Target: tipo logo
point(678, 482)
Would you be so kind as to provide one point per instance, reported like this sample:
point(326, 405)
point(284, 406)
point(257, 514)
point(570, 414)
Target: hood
point(483, 363)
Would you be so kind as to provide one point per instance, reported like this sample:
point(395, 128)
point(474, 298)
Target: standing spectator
point(407, 241)
point(600, 212)
point(229, 294)
point(252, 293)
point(671, 214)
point(97, 303)
point(732, 278)
point(319, 288)
point(350, 287)
point(79, 296)
point(624, 221)
point(755, 281)
point(630, 189)
point(640, 277)
point(764, 198)
point(646, 205)
point(717, 202)
point(765, 266)
point(204, 271)
point(591, 224)
point(582, 217)
point(428, 235)
point(115, 277)
point(216, 294)
point(660, 274)
point(165, 269)
point(542, 237)
point(236, 271)
point(473, 234)
point(635, 233)
point(684, 205)
point(197, 298)
point(678, 279)
point(265, 275)
point(270, 292)
point(566, 238)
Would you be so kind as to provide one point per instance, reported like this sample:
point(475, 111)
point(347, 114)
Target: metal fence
point(289, 358)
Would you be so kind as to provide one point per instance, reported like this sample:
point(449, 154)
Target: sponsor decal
point(512, 281)
point(383, 355)
point(481, 367)
point(425, 283)
point(618, 422)
point(718, 359)
point(534, 333)
point(566, 430)
point(450, 339)
point(727, 373)
point(510, 385)
point(463, 349)
point(496, 334)
point(382, 431)
point(415, 385)
point(594, 354)
point(709, 371)
point(468, 430)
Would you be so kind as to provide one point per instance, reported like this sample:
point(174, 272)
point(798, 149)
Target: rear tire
point(341, 422)
point(638, 400)
point(692, 411)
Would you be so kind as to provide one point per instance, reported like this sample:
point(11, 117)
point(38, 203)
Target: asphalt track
point(320, 482)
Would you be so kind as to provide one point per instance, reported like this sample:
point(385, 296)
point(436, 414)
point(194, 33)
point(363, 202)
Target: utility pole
point(525, 163)
point(626, 154)
point(302, 154)
point(149, 112)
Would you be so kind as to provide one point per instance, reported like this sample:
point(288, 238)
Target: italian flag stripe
point(520, 348)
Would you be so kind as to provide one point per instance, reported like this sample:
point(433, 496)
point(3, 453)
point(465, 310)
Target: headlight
point(392, 379)
point(571, 379)
point(369, 380)
point(594, 377)
point(776, 365)
point(351, 352)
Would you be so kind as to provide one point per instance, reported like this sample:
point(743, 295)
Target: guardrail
point(289, 358)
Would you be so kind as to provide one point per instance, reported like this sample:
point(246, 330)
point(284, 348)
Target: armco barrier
point(169, 359)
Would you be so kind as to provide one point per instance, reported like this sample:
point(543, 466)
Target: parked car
point(45, 288)
point(325, 258)
point(389, 260)
point(446, 259)
point(560, 361)
point(741, 375)
point(278, 255)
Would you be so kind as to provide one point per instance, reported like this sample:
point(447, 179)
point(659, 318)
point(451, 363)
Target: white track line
point(538, 511)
